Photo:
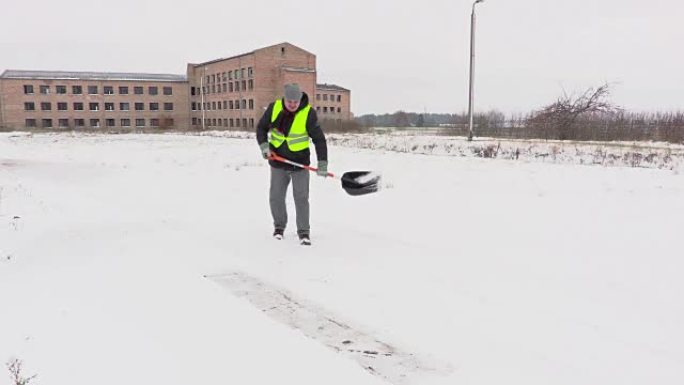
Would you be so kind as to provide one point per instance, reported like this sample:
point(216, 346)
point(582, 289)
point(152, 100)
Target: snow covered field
point(460, 271)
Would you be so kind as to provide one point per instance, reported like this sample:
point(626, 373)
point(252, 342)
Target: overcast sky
point(392, 54)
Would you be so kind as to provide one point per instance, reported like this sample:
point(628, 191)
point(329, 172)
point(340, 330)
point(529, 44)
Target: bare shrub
point(15, 367)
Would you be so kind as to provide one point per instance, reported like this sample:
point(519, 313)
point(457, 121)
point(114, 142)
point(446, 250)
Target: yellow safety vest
point(298, 138)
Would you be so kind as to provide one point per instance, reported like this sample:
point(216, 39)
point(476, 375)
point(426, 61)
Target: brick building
point(223, 93)
point(68, 100)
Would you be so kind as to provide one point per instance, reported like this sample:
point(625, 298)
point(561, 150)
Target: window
point(30, 122)
point(318, 108)
point(237, 86)
point(213, 105)
point(230, 104)
point(251, 123)
point(237, 104)
point(231, 122)
point(61, 90)
point(79, 122)
point(339, 109)
point(213, 88)
point(325, 97)
point(325, 109)
point(46, 106)
point(152, 90)
point(220, 122)
point(251, 104)
point(110, 122)
point(140, 122)
point(244, 122)
point(168, 106)
point(124, 106)
point(230, 87)
point(109, 106)
point(213, 78)
point(76, 90)
point(223, 76)
point(108, 90)
point(123, 90)
point(225, 88)
point(168, 91)
point(339, 98)
point(78, 106)
point(250, 72)
point(62, 106)
point(46, 123)
point(225, 105)
point(192, 91)
point(219, 105)
point(250, 84)
point(244, 104)
point(125, 122)
point(63, 123)
point(213, 122)
point(244, 85)
point(138, 90)
point(225, 122)
point(28, 89)
point(230, 75)
point(194, 121)
point(94, 122)
point(92, 90)
point(94, 106)
point(194, 106)
point(318, 96)
point(45, 90)
point(140, 106)
point(242, 73)
point(237, 122)
point(29, 106)
point(154, 106)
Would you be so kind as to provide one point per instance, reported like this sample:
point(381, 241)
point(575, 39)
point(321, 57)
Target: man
point(291, 121)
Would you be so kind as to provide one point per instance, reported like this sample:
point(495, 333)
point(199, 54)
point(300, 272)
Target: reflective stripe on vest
point(298, 138)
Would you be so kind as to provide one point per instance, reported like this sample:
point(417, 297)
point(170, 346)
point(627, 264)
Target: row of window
point(236, 86)
point(224, 122)
point(329, 110)
point(225, 105)
point(332, 97)
point(94, 90)
point(230, 75)
point(66, 123)
point(94, 106)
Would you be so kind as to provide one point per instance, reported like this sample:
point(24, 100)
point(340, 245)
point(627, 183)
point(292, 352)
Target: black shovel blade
point(360, 182)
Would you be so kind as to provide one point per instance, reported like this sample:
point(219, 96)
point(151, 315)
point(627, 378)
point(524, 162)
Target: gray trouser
point(280, 179)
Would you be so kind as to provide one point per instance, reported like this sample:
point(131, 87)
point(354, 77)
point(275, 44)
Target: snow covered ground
point(474, 271)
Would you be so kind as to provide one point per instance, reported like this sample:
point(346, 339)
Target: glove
point(265, 150)
point(322, 168)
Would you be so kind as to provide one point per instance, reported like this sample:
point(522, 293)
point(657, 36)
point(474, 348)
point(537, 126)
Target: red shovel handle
point(279, 158)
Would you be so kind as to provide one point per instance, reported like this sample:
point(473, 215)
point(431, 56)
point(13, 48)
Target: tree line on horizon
point(588, 116)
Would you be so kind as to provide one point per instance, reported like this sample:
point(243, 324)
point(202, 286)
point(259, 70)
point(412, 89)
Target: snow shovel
point(353, 182)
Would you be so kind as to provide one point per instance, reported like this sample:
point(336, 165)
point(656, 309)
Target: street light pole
point(472, 75)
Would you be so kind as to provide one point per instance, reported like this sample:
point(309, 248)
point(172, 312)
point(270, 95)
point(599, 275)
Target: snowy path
point(506, 272)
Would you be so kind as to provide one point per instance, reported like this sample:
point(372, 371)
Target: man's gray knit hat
point(292, 92)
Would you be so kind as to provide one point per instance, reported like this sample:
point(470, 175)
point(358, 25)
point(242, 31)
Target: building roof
point(247, 54)
point(67, 75)
point(330, 87)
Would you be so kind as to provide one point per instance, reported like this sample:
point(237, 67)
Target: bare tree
point(562, 117)
point(14, 367)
